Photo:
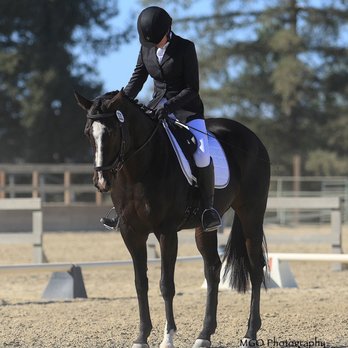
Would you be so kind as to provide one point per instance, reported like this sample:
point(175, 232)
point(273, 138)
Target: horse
point(135, 162)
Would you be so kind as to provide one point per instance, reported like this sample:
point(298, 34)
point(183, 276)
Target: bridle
point(122, 157)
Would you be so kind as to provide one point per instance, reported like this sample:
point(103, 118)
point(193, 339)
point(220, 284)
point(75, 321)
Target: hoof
point(166, 345)
point(140, 345)
point(202, 344)
point(248, 343)
point(168, 339)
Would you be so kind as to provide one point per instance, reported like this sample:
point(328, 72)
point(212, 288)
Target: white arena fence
point(70, 184)
point(66, 266)
point(34, 237)
point(66, 279)
point(332, 204)
point(280, 272)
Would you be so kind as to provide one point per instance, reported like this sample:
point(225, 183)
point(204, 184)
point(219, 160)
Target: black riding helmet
point(153, 23)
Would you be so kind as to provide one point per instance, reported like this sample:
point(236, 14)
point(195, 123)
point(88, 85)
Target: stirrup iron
point(110, 223)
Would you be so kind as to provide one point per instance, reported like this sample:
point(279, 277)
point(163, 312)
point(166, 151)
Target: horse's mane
point(109, 95)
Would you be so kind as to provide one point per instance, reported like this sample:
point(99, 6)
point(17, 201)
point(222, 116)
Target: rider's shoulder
point(185, 44)
point(182, 40)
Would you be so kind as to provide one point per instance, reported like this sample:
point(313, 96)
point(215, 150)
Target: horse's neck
point(140, 128)
point(144, 144)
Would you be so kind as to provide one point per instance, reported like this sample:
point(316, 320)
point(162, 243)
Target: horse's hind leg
point(253, 233)
point(207, 246)
point(169, 250)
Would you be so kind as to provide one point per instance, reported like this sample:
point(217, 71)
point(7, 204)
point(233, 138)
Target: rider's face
point(163, 41)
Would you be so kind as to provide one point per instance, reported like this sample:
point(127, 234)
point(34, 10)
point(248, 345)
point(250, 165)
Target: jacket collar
point(169, 49)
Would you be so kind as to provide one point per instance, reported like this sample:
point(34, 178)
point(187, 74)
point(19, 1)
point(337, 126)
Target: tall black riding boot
point(205, 179)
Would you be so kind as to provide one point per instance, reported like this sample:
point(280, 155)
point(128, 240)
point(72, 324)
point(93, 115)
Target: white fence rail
point(66, 266)
point(71, 183)
point(280, 271)
point(311, 186)
point(53, 183)
point(334, 204)
point(34, 237)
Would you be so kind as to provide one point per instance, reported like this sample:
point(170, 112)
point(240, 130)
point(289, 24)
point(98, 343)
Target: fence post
point(37, 237)
point(98, 198)
point(35, 184)
point(42, 188)
point(281, 214)
point(346, 200)
point(336, 229)
point(67, 182)
point(12, 184)
point(2, 184)
point(296, 183)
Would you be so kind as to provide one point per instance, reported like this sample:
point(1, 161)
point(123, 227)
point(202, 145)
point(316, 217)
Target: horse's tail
point(236, 260)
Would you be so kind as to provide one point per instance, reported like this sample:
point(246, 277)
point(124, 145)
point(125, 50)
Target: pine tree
point(40, 66)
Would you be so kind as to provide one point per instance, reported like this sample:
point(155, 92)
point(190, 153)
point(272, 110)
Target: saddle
point(184, 145)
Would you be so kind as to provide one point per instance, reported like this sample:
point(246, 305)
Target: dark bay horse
point(136, 163)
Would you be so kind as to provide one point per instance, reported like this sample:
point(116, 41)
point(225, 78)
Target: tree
point(40, 44)
point(278, 66)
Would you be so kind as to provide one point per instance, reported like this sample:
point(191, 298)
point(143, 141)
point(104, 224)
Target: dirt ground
point(316, 313)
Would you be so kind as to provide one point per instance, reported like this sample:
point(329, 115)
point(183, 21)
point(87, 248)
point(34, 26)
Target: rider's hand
point(162, 112)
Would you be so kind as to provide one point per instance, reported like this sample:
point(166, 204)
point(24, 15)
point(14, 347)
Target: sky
point(125, 57)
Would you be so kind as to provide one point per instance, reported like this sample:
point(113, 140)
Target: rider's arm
point(191, 77)
point(138, 78)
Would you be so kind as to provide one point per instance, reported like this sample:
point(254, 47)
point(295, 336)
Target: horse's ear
point(83, 102)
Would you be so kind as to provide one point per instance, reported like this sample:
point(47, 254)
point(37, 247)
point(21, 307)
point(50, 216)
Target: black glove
point(162, 112)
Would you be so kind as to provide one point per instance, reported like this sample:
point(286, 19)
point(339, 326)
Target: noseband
point(121, 159)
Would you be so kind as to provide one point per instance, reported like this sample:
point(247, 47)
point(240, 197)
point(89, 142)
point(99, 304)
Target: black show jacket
point(175, 78)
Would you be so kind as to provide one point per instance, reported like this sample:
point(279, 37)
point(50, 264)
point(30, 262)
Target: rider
point(172, 63)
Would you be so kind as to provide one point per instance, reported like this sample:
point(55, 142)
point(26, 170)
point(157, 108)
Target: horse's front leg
point(136, 244)
point(207, 246)
point(169, 250)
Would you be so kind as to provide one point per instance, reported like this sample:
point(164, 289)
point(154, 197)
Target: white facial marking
point(97, 131)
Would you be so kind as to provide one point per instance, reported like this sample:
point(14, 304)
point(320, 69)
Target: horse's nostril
point(102, 182)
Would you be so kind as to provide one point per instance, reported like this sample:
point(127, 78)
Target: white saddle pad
point(221, 169)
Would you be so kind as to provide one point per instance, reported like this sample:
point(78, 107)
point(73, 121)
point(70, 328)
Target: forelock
point(100, 103)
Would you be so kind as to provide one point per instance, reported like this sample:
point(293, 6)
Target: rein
point(122, 158)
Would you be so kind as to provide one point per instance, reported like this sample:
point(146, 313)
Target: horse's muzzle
point(102, 181)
